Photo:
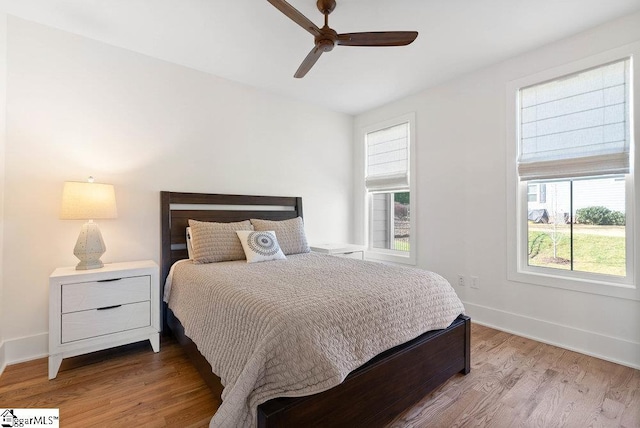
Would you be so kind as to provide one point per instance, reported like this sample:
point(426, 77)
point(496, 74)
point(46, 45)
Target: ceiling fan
point(326, 38)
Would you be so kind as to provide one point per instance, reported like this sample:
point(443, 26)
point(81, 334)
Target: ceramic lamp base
point(86, 265)
point(89, 247)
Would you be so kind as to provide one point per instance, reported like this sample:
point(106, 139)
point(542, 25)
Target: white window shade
point(388, 159)
point(577, 125)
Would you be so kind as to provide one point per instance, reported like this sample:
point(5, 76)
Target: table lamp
point(88, 201)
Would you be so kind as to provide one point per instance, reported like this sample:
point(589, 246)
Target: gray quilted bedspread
point(298, 326)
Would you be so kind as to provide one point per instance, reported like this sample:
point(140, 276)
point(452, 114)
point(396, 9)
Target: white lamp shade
point(88, 201)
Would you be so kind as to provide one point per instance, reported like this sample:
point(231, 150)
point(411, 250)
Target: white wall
point(462, 213)
point(76, 107)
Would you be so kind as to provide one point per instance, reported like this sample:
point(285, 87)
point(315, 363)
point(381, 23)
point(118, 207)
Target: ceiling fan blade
point(379, 38)
point(296, 16)
point(308, 62)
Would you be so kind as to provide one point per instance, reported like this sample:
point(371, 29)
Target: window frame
point(517, 191)
point(389, 255)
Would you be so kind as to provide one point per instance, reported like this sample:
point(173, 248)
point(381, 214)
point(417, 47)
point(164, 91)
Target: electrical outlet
point(461, 280)
point(475, 282)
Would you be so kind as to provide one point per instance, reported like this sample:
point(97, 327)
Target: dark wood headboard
point(177, 208)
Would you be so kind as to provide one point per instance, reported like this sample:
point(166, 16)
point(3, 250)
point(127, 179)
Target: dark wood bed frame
point(371, 395)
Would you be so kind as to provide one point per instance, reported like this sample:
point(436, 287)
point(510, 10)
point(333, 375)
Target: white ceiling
point(250, 41)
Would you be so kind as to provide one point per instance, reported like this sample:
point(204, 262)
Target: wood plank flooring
point(514, 382)
point(517, 382)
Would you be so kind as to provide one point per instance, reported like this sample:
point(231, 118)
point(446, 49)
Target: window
point(537, 193)
point(390, 221)
point(388, 190)
point(583, 226)
point(573, 179)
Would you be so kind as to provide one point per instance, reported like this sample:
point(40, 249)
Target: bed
point(370, 395)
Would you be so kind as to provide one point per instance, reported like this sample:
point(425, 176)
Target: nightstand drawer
point(98, 322)
point(97, 294)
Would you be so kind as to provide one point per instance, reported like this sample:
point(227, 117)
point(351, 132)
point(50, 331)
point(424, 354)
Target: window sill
point(583, 285)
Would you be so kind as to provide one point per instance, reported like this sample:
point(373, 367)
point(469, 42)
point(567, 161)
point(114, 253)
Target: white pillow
point(260, 246)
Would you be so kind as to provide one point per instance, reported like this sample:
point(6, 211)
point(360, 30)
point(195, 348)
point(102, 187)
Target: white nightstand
point(91, 310)
point(341, 250)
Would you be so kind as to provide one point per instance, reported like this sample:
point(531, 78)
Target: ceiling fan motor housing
point(325, 45)
point(327, 39)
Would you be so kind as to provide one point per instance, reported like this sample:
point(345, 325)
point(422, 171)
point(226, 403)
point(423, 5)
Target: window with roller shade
point(388, 187)
point(573, 166)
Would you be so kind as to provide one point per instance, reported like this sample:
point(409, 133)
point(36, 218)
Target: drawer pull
point(109, 280)
point(108, 307)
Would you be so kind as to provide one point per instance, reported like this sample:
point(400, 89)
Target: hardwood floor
point(126, 386)
point(517, 382)
point(513, 382)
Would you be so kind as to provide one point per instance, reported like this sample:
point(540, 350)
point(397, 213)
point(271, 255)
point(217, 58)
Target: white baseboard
point(26, 348)
point(3, 363)
point(616, 350)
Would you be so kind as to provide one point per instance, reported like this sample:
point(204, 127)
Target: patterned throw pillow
point(260, 246)
point(290, 234)
point(216, 242)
